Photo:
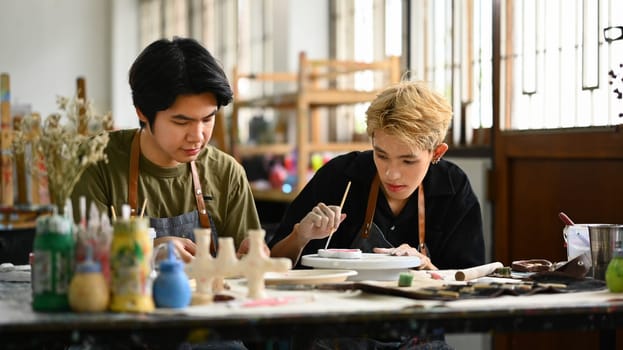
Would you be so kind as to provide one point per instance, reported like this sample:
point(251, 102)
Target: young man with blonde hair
point(403, 173)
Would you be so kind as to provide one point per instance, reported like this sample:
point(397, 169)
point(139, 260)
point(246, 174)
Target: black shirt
point(453, 220)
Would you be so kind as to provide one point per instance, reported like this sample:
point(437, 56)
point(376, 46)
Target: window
point(451, 48)
point(557, 68)
point(555, 64)
point(366, 31)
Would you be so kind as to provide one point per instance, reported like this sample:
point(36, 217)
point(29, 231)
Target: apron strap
point(371, 208)
point(135, 152)
point(421, 216)
point(204, 219)
point(374, 192)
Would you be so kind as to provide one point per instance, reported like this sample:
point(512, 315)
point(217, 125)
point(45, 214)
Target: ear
point(439, 151)
point(141, 116)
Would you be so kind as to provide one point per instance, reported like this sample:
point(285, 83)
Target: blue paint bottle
point(171, 287)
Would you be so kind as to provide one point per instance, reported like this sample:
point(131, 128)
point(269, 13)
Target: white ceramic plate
point(308, 276)
point(381, 267)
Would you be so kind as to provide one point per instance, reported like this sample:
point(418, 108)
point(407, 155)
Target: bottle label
point(130, 281)
point(51, 272)
point(63, 276)
point(42, 272)
point(130, 262)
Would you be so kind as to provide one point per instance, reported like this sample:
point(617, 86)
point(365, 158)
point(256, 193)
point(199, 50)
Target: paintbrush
point(143, 208)
point(341, 205)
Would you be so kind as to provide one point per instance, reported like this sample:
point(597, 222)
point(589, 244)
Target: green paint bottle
point(614, 272)
point(52, 266)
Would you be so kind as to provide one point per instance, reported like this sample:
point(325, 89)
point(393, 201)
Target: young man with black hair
point(177, 89)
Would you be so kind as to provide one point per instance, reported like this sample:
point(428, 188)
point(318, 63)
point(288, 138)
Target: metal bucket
point(604, 238)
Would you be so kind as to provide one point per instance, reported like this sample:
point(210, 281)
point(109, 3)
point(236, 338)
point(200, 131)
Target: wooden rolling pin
point(476, 271)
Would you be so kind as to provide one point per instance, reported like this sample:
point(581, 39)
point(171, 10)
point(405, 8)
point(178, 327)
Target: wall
point(476, 169)
point(46, 45)
point(300, 25)
point(124, 49)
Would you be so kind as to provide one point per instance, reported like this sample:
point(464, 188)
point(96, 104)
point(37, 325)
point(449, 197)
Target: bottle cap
point(54, 224)
point(171, 263)
point(89, 265)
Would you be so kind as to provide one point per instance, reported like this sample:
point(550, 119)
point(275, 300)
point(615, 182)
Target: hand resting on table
point(187, 249)
point(407, 250)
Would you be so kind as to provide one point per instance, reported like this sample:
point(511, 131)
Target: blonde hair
point(411, 112)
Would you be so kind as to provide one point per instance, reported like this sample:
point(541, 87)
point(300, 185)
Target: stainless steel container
point(604, 238)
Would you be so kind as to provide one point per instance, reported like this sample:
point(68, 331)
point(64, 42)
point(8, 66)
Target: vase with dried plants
point(67, 142)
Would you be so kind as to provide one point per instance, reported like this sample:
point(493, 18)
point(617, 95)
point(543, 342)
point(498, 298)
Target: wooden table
point(323, 314)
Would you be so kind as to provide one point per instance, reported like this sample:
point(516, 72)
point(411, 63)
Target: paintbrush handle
point(565, 219)
point(341, 206)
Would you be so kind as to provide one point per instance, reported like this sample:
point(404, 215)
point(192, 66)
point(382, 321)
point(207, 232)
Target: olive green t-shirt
point(169, 191)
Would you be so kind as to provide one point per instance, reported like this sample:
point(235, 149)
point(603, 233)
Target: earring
point(435, 161)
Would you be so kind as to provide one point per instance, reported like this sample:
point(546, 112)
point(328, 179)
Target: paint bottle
point(130, 262)
point(614, 272)
point(52, 265)
point(171, 287)
point(88, 291)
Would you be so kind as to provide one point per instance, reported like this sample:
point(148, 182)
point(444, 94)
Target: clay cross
point(256, 263)
point(210, 272)
point(226, 263)
point(202, 268)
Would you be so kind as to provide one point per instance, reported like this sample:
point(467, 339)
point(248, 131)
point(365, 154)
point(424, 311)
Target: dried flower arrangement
point(68, 142)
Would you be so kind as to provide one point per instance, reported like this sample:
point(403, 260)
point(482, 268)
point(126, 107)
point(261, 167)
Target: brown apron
point(371, 236)
point(203, 216)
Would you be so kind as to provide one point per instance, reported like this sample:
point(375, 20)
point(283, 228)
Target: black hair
point(169, 68)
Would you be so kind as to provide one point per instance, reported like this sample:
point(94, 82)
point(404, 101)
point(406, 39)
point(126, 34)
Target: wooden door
point(536, 175)
point(539, 174)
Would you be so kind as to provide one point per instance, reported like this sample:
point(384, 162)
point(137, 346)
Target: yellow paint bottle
point(130, 262)
point(88, 290)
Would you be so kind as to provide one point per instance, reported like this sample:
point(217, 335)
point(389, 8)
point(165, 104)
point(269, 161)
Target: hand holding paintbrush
point(319, 223)
point(322, 219)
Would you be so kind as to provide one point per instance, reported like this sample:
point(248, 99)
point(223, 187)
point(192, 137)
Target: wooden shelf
point(21, 217)
point(285, 148)
point(339, 147)
point(253, 150)
point(315, 99)
point(273, 195)
point(317, 84)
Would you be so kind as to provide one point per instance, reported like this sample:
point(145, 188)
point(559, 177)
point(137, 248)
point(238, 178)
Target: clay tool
point(477, 271)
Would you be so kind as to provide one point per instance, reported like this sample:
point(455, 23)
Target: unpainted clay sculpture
point(210, 272)
point(256, 263)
